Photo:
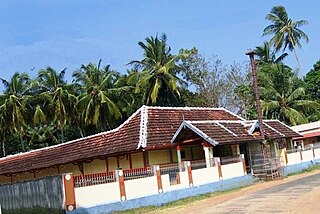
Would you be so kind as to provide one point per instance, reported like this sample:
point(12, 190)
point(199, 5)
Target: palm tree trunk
point(80, 130)
point(62, 134)
point(21, 142)
point(296, 56)
point(3, 147)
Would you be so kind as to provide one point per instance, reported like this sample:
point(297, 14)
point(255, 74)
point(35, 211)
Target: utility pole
point(256, 92)
point(266, 160)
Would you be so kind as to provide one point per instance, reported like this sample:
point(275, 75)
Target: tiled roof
point(155, 125)
point(283, 128)
point(221, 132)
point(148, 127)
point(122, 139)
point(308, 135)
point(162, 124)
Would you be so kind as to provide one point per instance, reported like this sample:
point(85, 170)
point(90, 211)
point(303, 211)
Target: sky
point(62, 34)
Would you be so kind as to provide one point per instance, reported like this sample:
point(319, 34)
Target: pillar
point(313, 154)
point(208, 154)
point(69, 194)
point(179, 156)
point(211, 154)
point(157, 173)
point(286, 156)
point(300, 151)
point(218, 164)
point(120, 179)
point(187, 166)
point(242, 159)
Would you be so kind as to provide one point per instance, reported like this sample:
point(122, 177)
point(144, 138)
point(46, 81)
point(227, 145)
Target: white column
point(179, 154)
point(207, 156)
point(179, 157)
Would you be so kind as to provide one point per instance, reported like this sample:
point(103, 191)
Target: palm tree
point(158, 70)
point(100, 91)
point(280, 99)
point(285, 31)
point(12, 102)
point(54, 85)
point(41, 133)
point(4, 129)
point(266, 55)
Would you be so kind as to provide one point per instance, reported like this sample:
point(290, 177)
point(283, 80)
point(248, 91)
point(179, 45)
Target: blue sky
point(59, 33)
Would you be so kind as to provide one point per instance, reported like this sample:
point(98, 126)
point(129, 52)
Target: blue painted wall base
point(160, 199)
point(299, 167)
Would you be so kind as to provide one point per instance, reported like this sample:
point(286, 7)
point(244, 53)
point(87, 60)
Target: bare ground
point(296, 194)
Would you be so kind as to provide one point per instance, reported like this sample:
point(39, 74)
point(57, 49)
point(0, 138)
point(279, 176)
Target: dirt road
point(297, 194)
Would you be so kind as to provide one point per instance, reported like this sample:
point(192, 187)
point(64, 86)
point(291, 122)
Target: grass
point(176, 204)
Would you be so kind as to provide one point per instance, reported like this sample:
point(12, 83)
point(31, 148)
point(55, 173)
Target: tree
point(54, 85)
point(266, 55)
point(280, 99)
point(213, 82)
point(41, 133)
point(158, 71)
point(99, 93)
point(312, 80)
point(4, 129)
point(12, 102)
point(285, 32)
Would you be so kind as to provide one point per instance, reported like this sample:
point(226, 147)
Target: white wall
point(232, 170)
point(141, 187)
point(107, 193)
point(205, 175)
point(317, 153)
point(97, 194)
point(294, 158)
point(184, 182)
point(307, 155)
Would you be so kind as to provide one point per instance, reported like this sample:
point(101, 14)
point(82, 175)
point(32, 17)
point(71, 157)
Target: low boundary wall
point(53, 194)
point(299, 167)
point(160, 199)
point(32, 195)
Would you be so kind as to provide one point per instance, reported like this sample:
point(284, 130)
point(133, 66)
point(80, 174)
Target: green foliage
point(46, 110)
point(266, 55)
point(280, 99)
point(213, 82)
point(100, 90)
point(285, 32)
point(156, 75)
point(312, 80)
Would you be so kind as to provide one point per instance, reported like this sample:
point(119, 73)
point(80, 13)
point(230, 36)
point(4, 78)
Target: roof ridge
point(184, 107)
point(216, 121)
point(75, 140)
point(285, 126)
point(273, 128)
point(143, 127)
point(195, 108)
point(196, 130)
point(225, 128)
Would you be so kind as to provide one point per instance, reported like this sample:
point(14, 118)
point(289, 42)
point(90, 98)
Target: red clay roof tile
point(160, 126)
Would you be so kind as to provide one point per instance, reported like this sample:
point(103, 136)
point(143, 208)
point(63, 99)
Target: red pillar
point(70, 198)
point(120, 179)
point(189, 170)
point(157, 173)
